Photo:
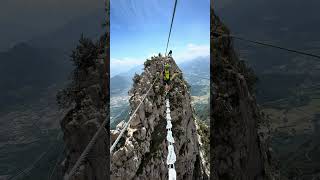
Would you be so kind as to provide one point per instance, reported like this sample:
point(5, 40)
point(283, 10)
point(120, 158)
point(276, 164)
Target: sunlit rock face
point(142, 151)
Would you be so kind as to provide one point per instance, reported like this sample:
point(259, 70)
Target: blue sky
point(140, 28)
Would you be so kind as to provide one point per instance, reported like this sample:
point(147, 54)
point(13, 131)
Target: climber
point(167, 76)
point(170, 53)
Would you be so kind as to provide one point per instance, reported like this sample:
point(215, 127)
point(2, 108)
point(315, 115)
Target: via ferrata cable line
point(56, 163)
point(88, 148)
point(131, 117)
point(217, 34)
point(174, 11)
point(27, 171)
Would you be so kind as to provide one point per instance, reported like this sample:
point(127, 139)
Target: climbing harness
point(171, 158)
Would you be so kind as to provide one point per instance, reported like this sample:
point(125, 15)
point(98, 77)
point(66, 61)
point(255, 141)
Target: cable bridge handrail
point(131, 117)
point(221, 34)
point(87, 149)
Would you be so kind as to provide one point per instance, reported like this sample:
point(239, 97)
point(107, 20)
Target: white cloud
point(122, 65)
point(191, 52)
point(125, 61)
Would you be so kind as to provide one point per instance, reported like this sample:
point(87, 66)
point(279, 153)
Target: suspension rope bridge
point(171, 158)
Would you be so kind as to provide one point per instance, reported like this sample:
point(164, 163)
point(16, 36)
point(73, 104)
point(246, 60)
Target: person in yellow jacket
point(167, 76)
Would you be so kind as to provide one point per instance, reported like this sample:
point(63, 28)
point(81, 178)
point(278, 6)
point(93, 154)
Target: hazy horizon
point(21, 21)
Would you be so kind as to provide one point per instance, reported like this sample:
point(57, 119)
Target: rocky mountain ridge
point(86, 100)
point(241, 135)
point(142, 151)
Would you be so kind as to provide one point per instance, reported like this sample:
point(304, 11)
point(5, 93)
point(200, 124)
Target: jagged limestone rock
point(148, 160)
point(113, 135)
point(120, 125)
point(82, 122)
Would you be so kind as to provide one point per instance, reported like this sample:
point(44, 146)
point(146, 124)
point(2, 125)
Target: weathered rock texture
point(240, 136)
point(87, 98)
point(141, 153)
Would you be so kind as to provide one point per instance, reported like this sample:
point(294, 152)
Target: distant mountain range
point(25, 20)
point(199, 66)
point(67, 36)
point(292, 24)
point(288, 21)
point(26, 71)
point(31, 73)
point(30, 67)
point(120, 84)
point(196, 72)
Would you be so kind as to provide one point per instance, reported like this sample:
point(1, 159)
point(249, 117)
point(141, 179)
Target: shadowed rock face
point(240, 133)
point(142, 152)
point(82, 122)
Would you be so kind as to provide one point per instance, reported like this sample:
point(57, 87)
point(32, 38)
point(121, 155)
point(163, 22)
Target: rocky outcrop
point(142, 151)
point(86, 100)
point(240, 136)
